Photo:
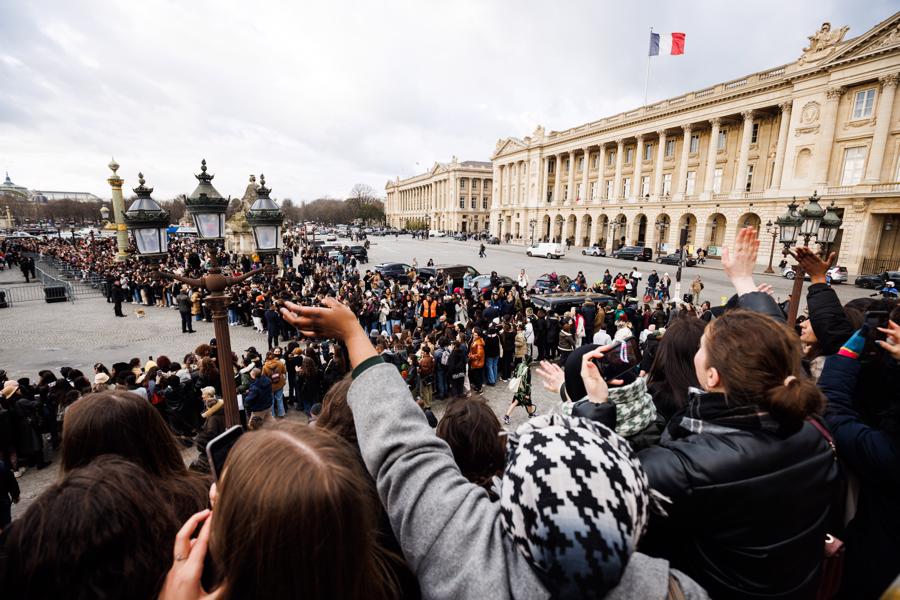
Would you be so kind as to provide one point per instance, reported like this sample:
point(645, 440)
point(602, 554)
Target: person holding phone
point(299, 489)
point(872, 454)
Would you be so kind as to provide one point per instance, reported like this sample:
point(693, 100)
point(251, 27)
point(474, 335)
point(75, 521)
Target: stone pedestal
point(239, 240)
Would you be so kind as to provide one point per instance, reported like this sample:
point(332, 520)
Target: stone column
point(784, 128)
point(740, 177)
point(638, 167)
point(685, 156)
point(882, 127)
point(822, 156)
point(658, 165)
point(570, 181)
point(601, 168)
point(586, 177)
point(620, 158)
point(595, 224)
point(712, 151)
point(557, 175)
point(118, 204)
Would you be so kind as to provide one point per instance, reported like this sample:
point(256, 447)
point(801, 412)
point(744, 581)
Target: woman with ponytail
point(750, 477)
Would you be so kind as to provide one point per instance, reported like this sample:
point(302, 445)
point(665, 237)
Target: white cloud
point(320, 96)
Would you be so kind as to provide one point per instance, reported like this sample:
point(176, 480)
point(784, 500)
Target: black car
point(561, 302)
point(484, 281)
point(675, 259)
point(633, 253)
point(874, 282)
point(360, 253)
point(494, 241)
point(457, 272)
point(392, 270)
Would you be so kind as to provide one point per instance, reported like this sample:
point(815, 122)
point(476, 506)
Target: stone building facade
point(454, 196)
point(727, 156)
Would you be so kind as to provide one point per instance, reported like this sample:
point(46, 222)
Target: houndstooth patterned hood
point(574, 500)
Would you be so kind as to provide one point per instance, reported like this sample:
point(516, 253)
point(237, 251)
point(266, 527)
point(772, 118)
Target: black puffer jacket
point(749, 506)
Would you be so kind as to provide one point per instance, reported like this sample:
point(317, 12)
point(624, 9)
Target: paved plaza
point(35, 335)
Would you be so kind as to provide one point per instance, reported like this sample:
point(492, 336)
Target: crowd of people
point(693, 453)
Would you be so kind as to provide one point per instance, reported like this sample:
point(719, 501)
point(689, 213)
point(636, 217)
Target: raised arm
point(434, 511)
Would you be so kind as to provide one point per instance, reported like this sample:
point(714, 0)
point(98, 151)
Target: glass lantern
point(789, 225)
point(265, 218)
point(207, 207)
point(829, 226)
point(148, 222)
point(811, 214)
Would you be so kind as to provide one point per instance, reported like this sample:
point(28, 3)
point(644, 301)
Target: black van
point(457, 272)
point(634, 253)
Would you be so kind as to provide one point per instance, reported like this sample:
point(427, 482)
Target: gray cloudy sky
point(322, 95)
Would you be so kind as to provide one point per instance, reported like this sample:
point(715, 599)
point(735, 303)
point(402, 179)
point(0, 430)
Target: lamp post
point(661, 226)
point(532, 223)
point(614, 226)
point(104, 214)
point(772, 230)
point(149, 225)
point(559, 223)
point(207, 209)
point(807, 223)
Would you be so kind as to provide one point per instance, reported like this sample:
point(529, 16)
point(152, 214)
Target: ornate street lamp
point(104, 213)
point(809, 222)
point(789, 226)
point(266, 219)
point(532, 223)
point(661, 226)
point(828, 228)
point(772, 230)
point(812, 215)
point(148, 223)
point(207, 207)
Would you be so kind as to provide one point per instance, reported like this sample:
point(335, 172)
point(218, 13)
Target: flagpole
point(647, 77)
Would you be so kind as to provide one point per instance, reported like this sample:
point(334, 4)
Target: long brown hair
point(759, 362)
point(126, 425)
point(103, 531)
point(300, 492)
point(471, 429)
point(336, 415)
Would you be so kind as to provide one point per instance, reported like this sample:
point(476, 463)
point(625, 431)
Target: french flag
point(666, 43)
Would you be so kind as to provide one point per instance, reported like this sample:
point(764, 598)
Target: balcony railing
point(752, 195)
point(886, 187)
point(840, 190)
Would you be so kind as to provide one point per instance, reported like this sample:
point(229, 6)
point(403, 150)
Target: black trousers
point(186, 323)
point(117, 306)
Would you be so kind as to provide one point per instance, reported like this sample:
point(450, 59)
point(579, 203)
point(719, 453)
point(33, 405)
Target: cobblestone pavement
point(36, 335)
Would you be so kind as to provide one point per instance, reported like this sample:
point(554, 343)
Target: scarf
point(711, 412)
point(574, 501)
point(634, 407)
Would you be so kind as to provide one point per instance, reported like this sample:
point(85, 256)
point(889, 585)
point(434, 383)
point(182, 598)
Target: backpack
point(445, 357)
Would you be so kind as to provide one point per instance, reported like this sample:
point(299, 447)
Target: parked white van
point(547, 250)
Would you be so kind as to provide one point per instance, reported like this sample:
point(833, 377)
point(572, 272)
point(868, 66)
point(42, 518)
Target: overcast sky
point(322, 95)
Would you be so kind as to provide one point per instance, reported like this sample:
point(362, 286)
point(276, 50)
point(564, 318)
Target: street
point(508, 259)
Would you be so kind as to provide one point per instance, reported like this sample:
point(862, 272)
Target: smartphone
point(874, 319)
point(620, 361)
point(218, 448)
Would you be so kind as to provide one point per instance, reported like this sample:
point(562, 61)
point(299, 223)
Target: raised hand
point(891, 344)
point(739, 263)
point(594, 384)
point(183, 580)
point(332, 320)
point(552, 376)
point(810, 262)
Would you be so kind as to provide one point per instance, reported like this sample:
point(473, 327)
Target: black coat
point(872, 539)
point(748, 512)
point(553, 328)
